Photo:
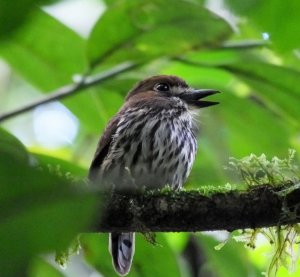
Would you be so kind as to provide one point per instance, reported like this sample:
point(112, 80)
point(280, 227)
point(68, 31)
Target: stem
point(71, 89)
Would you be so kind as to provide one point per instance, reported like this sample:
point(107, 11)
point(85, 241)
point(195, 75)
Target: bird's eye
point(162, 87)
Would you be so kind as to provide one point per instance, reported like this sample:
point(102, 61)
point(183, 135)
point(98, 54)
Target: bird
point(149, 143)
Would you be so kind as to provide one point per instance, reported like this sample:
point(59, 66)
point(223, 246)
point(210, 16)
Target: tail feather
point(121, 248)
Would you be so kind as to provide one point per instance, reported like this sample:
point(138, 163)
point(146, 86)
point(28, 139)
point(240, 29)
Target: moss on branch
point(181, 211)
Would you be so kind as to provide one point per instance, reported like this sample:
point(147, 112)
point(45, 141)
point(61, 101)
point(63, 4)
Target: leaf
point(11, 147)
point(48, 54)
point(14, 13)
point(39, 267)
point(229, 261)
point(110, 2)
point(106, 100)
point(277, 18)
point(223, 56)
point(282, 77)
point(45, 52)
point(140, 31)
point(63, 166)
point(146, 262)
point(278, 85)
point(40, 213)
point(250, 128)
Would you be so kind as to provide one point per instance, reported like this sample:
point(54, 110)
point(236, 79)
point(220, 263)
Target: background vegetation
point(249, 51)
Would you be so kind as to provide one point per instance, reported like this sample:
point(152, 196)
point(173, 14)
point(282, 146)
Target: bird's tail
point(121, 248)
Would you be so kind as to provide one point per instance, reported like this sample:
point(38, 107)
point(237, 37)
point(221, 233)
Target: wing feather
point(103, 148)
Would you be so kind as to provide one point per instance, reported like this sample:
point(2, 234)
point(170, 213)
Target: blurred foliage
point(151, 29)
point(38, 207)
point(264, 17)
point(14, 13)
point(230, 260)
point(100, 257)
point(39, 267)
point(259, 113)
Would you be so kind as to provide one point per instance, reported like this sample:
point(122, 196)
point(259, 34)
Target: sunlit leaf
point(280, 19)
point(151, 29)
point(222, 56)
point(40, 267)
point(45, 52)
point(48, 54)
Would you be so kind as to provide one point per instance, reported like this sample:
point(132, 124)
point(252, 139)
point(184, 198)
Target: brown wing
point(103, 148)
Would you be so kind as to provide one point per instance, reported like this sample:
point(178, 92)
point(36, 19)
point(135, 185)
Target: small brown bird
point(149, 143)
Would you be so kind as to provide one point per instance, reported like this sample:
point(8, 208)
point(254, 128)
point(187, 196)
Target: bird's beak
point(193, 97)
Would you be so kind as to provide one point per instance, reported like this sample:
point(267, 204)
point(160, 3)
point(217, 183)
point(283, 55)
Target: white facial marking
point(175, 90)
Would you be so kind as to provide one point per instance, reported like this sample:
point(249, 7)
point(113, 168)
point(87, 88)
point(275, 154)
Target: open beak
point(193, 97)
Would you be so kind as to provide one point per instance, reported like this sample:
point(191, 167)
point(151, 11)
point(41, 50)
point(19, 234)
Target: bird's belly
point(161, 153)
point(166, 158)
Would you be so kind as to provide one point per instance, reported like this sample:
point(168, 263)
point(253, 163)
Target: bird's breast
point(153, 148)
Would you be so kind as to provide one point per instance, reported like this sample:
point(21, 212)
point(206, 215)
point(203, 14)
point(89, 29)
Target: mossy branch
point(182, 211)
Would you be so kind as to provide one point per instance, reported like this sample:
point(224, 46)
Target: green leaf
point(63, 166)
point(14, 13)
point(104, 102)
point(198, 76)
point(223, 56)
point(230, 261)
point(145, 262)
point(280, 19)
point(140, 31)
point(11, 147)
point(110, 2)
point(45, 52)
point(48, 54)
point(277, 85)
point(41, 211)
point(39, 268)
point(250, 128)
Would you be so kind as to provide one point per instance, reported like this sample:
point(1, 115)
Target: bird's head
point(166, 86)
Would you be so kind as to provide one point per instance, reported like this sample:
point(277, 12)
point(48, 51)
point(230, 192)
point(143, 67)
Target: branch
point(183, 211)
point(246, 44)
point(71, 89)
